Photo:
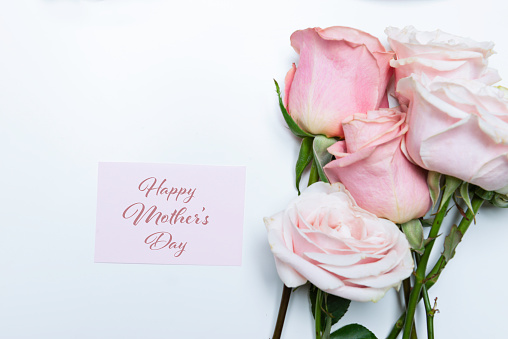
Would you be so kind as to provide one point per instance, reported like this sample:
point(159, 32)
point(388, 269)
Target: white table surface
point(187, 82)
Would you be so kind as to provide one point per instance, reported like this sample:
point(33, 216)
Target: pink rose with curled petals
point(440, 54)
point(458, 128)
point(341, 71)
point(372, 166)
point(324, 237)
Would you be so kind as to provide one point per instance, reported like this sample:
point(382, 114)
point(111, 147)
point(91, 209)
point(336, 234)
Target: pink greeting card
point(169, 214)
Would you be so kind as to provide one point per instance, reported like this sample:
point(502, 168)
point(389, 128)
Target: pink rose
point(341, 71)
point(324, 237)
point(370, 163)
point(440, 54)
point(458, 128)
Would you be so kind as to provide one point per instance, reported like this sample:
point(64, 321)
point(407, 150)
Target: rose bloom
point(341, 71)
point(325, 238)
point(372, 166)
point(458, 128)
point(440, 54)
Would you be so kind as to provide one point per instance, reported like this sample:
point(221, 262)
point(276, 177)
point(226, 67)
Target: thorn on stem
point(461, 211)
point(434, 309)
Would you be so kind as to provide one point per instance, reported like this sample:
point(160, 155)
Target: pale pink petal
point(360, 293)
point(287, 83)
point(480, 151)
point(440, 54)
point(385, 73)
point(374, 45)
point(391, 278)
point(492, 176)
point(382, 126)
point(353, 35)
point(288, 275)
point(340, 260)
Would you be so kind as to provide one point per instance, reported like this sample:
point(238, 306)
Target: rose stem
point(428, 309)
point(284, 301)
point(414, 297)
point(434, 274)
point(399, 324)
point(407, 289)
point(430, 313)
point(317, 312)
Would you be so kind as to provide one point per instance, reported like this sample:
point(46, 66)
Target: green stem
point(406, 284)
point(284, 301)
point(411, 308)
point(428, 309)
point(328, 318)
point(414, 297)
point(317, 312)
point(399, 325)
point(407, 290)
point(434, 274)
point(430, 313)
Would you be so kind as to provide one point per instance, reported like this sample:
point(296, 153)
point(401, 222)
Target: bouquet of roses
point(376, 172)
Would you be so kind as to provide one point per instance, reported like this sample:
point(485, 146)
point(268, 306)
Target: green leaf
point(335, 306)
point(293, 126)
point(321, 155)
point(451, 184)
point(304, 159)
point(464, 193)
point(353, 331)
point(413, 230)
point(434, 183)
point(451, 242)
point(485, 195)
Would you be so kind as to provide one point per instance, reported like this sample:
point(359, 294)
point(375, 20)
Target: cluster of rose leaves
point(342, 236)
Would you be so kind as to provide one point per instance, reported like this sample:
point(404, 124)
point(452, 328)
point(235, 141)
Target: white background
point(187, 82)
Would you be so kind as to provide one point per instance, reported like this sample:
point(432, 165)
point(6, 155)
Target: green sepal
point(451, 242)
point(434, 183)
point(353, 331)
point(464, 193)
point(451, 185)
point(499, 200)
point(427, 222)
point(335, 306)
point(413, 230)
point(304, 158)
point(293, 126)
point(313, 175)
point(321, 155)
point(428, 240)
point(485, 195)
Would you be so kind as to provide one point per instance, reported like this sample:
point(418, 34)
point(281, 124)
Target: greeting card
point(169, 214)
